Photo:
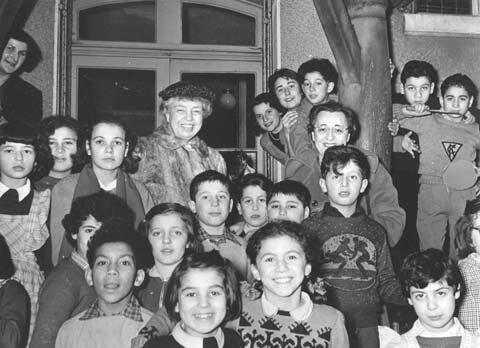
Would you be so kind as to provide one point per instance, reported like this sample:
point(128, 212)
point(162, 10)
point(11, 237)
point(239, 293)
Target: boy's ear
point(470, 102)
point(432, 87)
point(409, 301)
point(255, 272)
point(330, 87)
point(308, 269)
point(364, 185)
point(87, 148)
point(458, 292)
point(126, 150)
point(239, 209)
point(306, 213)
point(402, 89)
point(441, 102)
point(323, 185)
point(139, 278)
point(231, 205)
point(88, 277)
point(191, 205)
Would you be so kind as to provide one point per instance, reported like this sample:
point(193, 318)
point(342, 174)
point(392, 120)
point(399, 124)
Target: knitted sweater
point(443, 141)
point(324, 327)
point(14, 314)
point(64, 294)
point(357, 268)
point(167, 166)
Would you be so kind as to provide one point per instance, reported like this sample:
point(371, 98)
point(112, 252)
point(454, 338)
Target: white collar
point(109, 187)
point(301, 313)
point(456, 330)
point(190, 341)
point(23, 191)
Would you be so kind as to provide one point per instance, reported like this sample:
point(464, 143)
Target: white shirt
point(23, 191)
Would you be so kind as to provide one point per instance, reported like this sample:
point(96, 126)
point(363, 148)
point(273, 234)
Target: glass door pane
point(128, 94)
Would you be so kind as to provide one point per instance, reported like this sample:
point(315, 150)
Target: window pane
point(134, 22)
point(129, 94)
point(445, 6)
point(227, 128)
point(216, 26)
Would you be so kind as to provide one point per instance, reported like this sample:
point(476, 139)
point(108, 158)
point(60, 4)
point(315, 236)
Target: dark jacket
point(21, 101)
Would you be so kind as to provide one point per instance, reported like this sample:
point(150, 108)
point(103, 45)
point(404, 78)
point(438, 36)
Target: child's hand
point(409, 145)
point(289, 119)
point(238, 227)
point(416, 110)
point(393, 126)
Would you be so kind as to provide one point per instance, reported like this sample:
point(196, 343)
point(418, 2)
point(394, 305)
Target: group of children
point(123, 272)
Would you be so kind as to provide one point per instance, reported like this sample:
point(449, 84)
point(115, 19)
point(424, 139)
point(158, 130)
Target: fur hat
point(187, 90)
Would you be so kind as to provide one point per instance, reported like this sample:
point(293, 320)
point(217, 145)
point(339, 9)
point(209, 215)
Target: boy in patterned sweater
point(356, 268)
point(284, 316)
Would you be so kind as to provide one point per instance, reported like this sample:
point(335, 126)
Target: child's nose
point(109, 147)
point(19, 155)
point(287, 91)
point(203, 301)
point(281, 265)
point(166, 238)
point(431, 304)
point(215, 201)
point(189, 115)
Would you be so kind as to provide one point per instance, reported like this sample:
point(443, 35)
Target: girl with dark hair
point(14, 303)
point(20, 101)
point(201, 283)
point(171, 231)
point(23, 211)
point(109, 146)
point(66, 139)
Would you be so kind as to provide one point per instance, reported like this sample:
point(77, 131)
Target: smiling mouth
point(203, 316)
point(283, 280)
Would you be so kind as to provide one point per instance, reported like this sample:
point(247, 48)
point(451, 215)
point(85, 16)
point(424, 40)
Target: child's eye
point(125, 262)
point(419, 296)
point(292, 257)
point(424, 88)
point(216, 293)
point(155, 233)
point(463, 99)
point(28, 151)
point(178, 233)
point(99, 141)
point(262, 200)
point(291, 206)
point(223, 197)
point(89, 230)
point(23, 53)
point(118, 142)
point(441, 293)
point(274, 206)
point(52, 143)
point(101, 263)
point(190, 294)
point(247, 201)
point(354, 177)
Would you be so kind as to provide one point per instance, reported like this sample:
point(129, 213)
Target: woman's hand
point(289, 119)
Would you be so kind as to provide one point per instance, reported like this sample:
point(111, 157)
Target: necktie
point(210, 342)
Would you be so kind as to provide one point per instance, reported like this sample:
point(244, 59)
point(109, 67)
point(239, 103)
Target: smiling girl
point(201, 295)
point(109, 145)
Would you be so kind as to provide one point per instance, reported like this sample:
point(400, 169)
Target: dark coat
point(21, 101)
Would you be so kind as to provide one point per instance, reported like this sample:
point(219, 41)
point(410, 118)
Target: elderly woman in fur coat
point(174, 154)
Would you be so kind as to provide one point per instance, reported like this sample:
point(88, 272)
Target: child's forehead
point(284, 197)
point(16, 144)
point(314, 74)
point(212, 186)
point(433, 286)
point(456, 90)
point(280, 243)
point(284, 80)
point(252, 189)
point(114, 250)
point(417, 80)
point(342, 168)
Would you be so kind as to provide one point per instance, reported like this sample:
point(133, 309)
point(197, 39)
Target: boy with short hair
point(357, 268)
point(446, 140)
point(288, 200)
point(114, 255)
point(211, 202)
point(252, 202)
point(432, 283)
point(281, 254)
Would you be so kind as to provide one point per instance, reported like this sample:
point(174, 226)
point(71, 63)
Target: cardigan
point(64, 294)
point(14, 314)
point(62, 196)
